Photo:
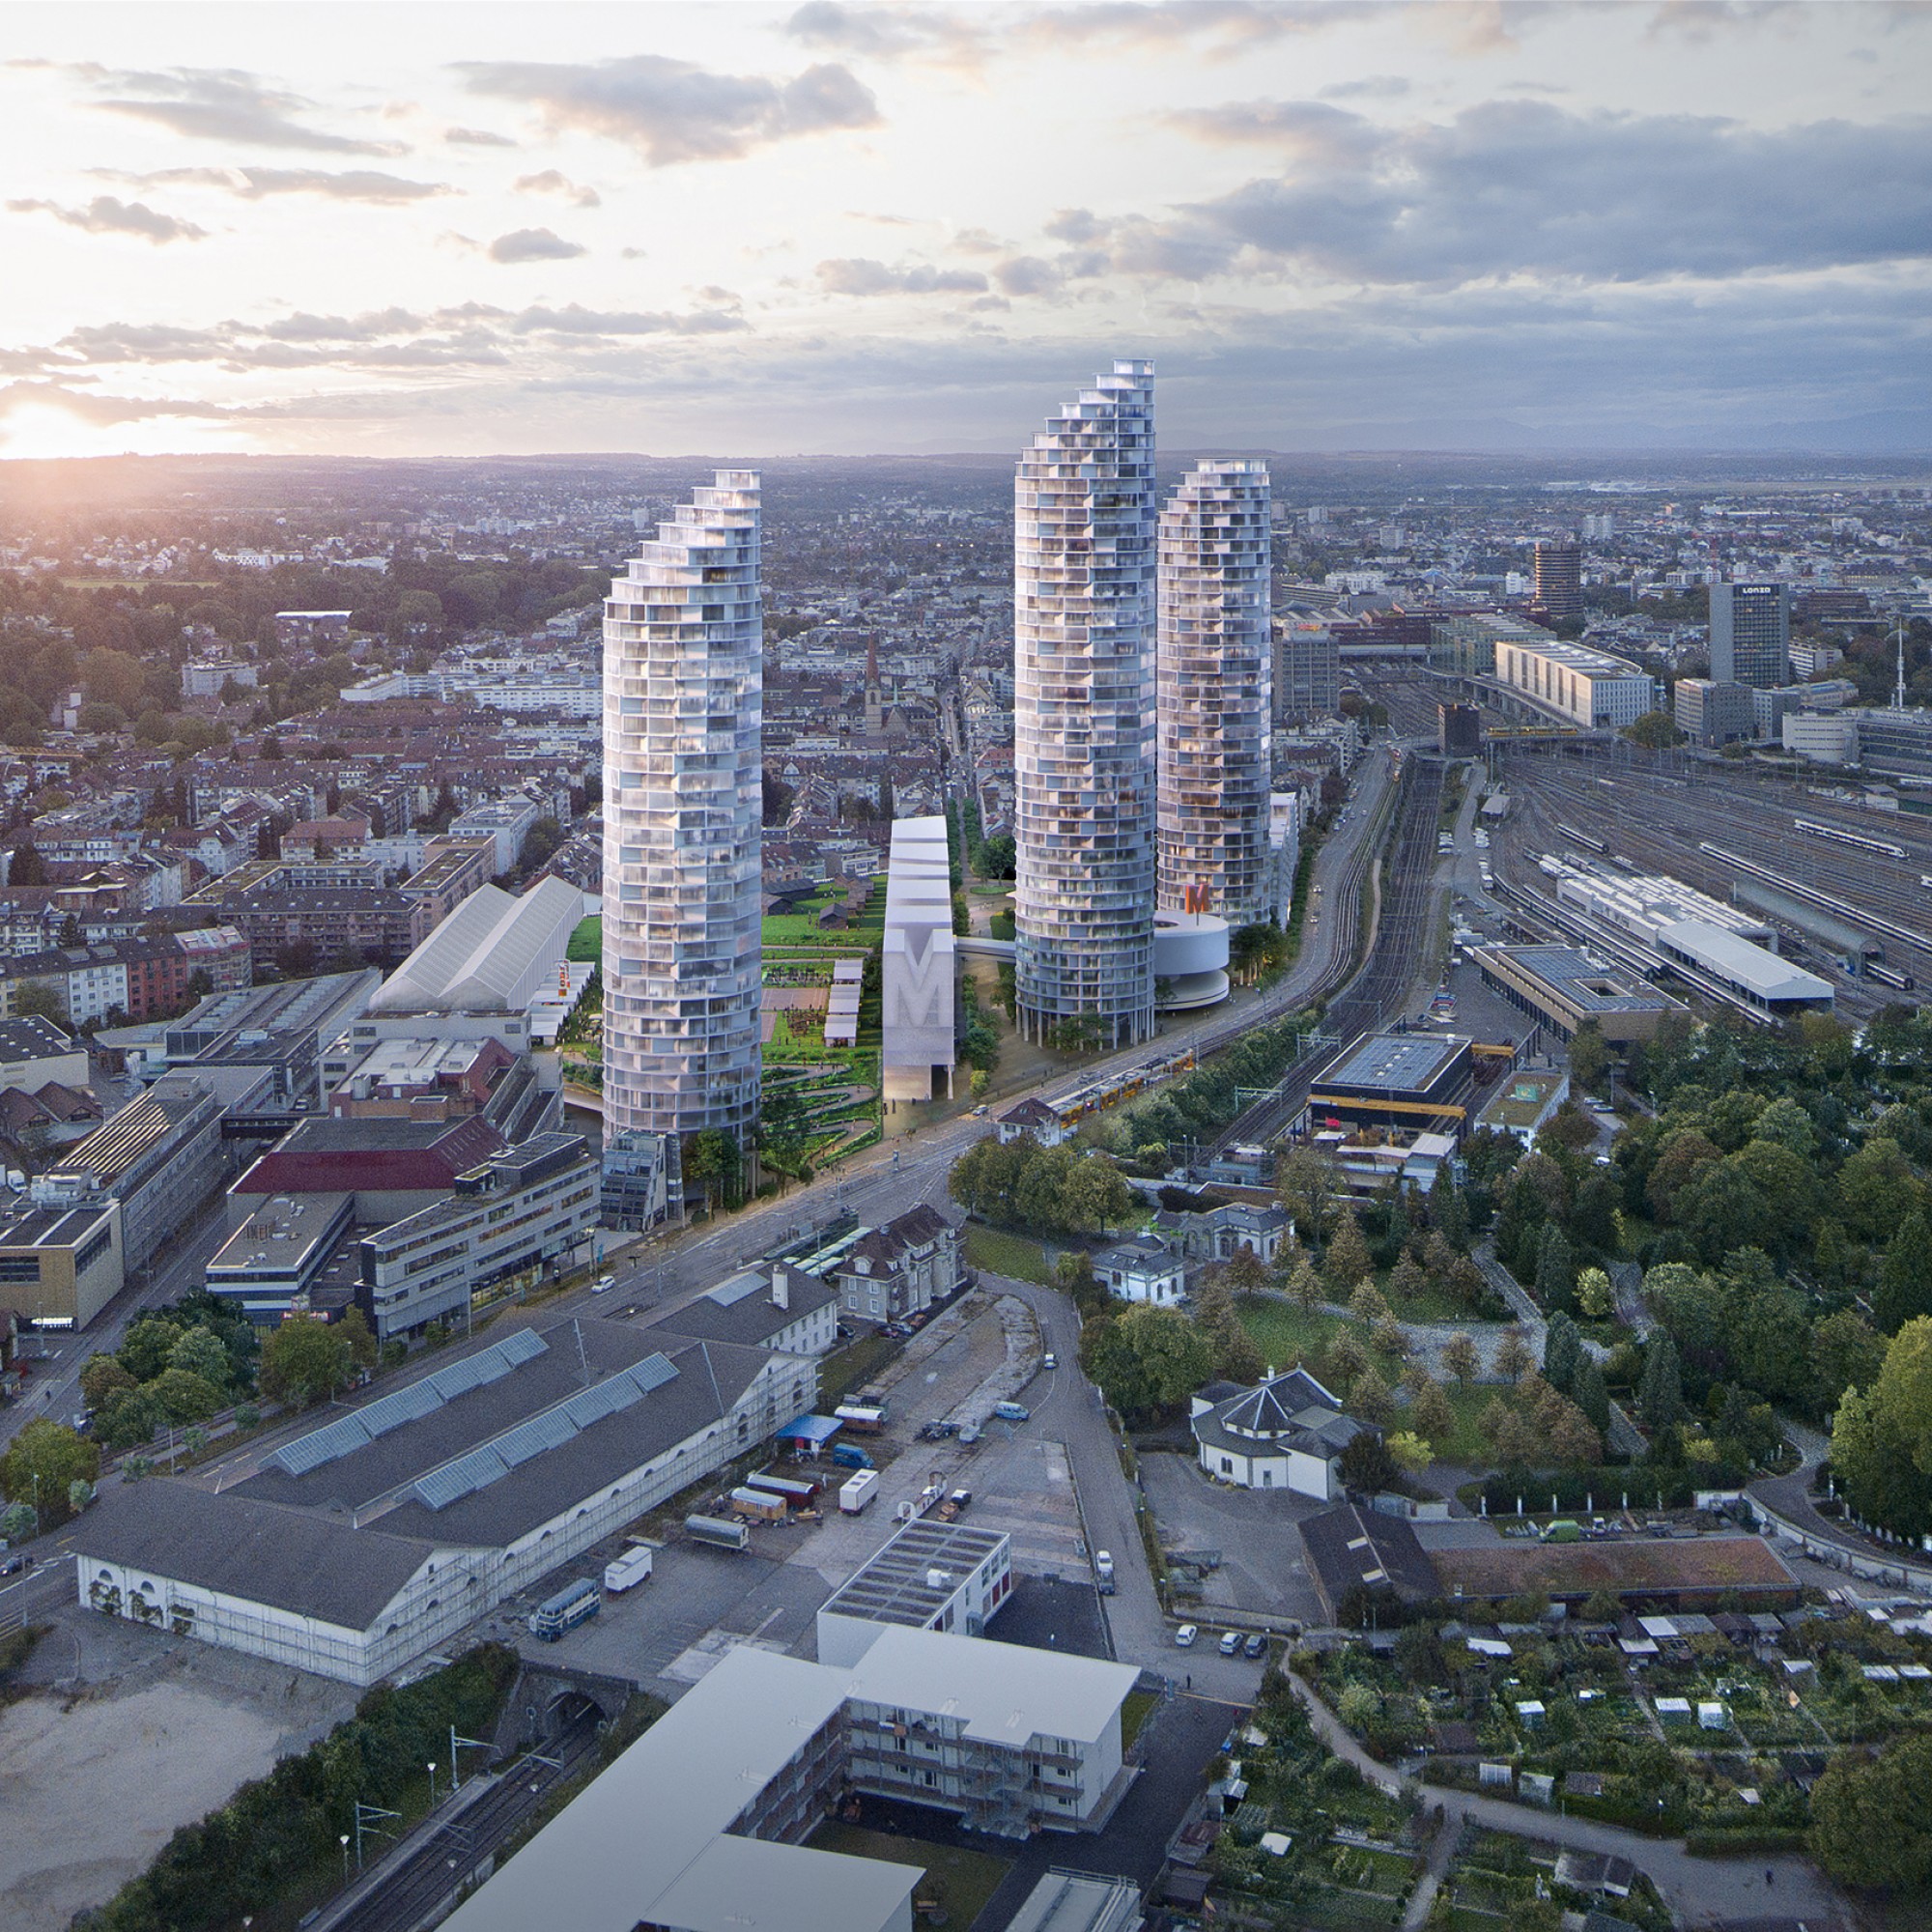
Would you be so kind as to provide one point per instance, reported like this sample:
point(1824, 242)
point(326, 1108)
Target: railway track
point(422, 1876)
point(1373, 991)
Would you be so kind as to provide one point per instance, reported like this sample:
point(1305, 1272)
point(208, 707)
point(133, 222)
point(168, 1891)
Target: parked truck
point(718, 1531)
point(575, 1603)
point(857, 1490)
point(633, 1567)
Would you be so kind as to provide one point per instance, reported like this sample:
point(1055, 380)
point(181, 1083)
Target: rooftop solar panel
point(593, 1405)
point(653, 1371)
point(323, 1445)
point(549, 1430)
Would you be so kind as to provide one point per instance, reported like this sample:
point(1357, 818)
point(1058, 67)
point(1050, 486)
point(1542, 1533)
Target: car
point(1256, 1646)
point(604, 1284)
point(980, 1112)
point(1049, 1360)
point(970, 1435)
point(1230, 1643)
point(1183, 1638)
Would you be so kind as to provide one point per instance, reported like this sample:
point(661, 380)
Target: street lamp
point(432, 1784)
point(345, 1856)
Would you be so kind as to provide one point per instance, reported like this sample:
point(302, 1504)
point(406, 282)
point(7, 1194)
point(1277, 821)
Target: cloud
point(671, 111)
point(108, 214)
point(892, 32)
point(533, 244)
point(256, 184)
point(103, 411)
point(221, 104)
point(571, 320)
point(1370, 87)
point(551, 182)
point(1229, 26)
point(856, 275)
point(1514, 188)
point(476, 137)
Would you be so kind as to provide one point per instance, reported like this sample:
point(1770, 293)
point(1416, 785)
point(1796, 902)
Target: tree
point(1905, 1276)
point(354, 1330)
point(201, 1352)
point(25, 866)
point(1462, 1357)
point(1407, 1279)
point(1655, 731)
point(1369, 1397)
point(1594, 1294)
point(1304, 1183)
point(1871, 1818)
point(1589, 1055)
point(1304, 1283)
point(1591, 1394)
point(712, 1160)
point(1367, 1464)
point(1572, 1438)
point(1410, 1453)
point(1877, 1190)
point(1555, 1270)
point(43, 1463)
point(1431, 1413)
point(1659, 1396)
point(303, 1361)
point(103, 1376)
point(1846, 1353)
point(1513, 1355)
point(1562, 1353)
point(1366, 1302)
point(1388, 1337)
point(1343, 1359)
point(1236, 1358)
point(185, 1397)
point(1148, 1361)
point(1347, 1259)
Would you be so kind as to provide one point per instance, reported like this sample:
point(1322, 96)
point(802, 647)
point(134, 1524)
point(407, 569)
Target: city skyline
point(842, 228)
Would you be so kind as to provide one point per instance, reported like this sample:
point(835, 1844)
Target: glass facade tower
point(683, 715)
point(1083, 717)
point(1751, 634)
point(1213, 673)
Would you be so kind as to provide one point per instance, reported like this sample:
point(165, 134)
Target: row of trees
point(1058, 1190)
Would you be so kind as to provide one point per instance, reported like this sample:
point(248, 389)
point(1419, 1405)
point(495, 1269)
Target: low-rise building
point(773, 1306)
point(1713, 714)
point(903, 1269)
point(1405, 1080)
point(1562, 987)
point(160, 1156)
point(1590, 688)
point(1143, 1270)
point(60, 1254)
point(1220, 1233)
point(1286, 1433)
point(34, 1051)
point(1032, 1116)
point(931, 1575)
point(524, 1213)
point(1525, 1101)
point(276, 1261)
point(381, 1533)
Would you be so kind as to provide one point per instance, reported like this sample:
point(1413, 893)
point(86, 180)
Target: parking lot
point(1263, 1570)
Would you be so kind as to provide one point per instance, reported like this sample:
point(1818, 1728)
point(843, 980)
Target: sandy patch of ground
point(91, 1789)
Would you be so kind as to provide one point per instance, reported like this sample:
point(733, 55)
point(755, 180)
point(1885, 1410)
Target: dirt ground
point(92, 1786)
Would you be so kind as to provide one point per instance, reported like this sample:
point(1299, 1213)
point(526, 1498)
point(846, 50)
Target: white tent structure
point(494, 953)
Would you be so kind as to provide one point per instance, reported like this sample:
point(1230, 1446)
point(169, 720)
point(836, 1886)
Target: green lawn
point(1134, 1713)
point(586, 942)
point(960, 1882)
point(998, 1252)
point(1284, 1334)
point(852, 1366)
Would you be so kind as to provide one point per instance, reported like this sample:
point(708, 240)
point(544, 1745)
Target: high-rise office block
point(683, 710)
point(1751, 634)
point(1211, 677)
point(1083, 716)
point(1307, 669)
point(1559, 578)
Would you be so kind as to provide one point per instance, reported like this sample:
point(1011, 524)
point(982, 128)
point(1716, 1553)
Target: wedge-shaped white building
point(695, 1827)
point(683, 798)
point(495, 953)
point(1215, 677)
point(919, 964)
point(1083, 717)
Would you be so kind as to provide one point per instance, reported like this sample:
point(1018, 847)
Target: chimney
point(780, 1288)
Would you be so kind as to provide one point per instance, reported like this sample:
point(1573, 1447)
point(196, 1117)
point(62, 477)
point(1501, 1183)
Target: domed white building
point(1286, 1433)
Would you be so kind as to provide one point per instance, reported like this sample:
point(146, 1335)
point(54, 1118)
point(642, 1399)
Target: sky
point(745, 230)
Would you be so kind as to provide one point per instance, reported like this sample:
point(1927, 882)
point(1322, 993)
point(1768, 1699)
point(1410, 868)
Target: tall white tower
point(683, 718)
point(1083, 716)
point(1214, 678)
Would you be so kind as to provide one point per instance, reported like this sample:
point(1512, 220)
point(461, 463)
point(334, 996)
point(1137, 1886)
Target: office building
point(1396, 1080)
point(683, 800)
point(1307, 671)
point(1559, 578)
point(1561, 987)
point(1713, 714)
point(931, 1575)
point(1212, 702)
point(60, 1253)
point(1459, 730)
point(1581, 686)
point(1083, 717)
point(1823, 738)
point(1751, 634)
point(1467, 642)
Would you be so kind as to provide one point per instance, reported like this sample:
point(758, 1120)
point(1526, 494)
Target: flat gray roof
point(892, 1587)
point(1737, 958)
point(1581, 979)
point(1395, 1063)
